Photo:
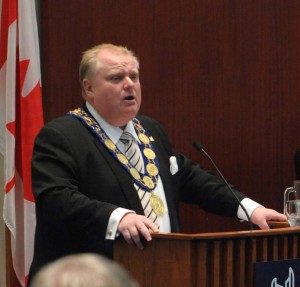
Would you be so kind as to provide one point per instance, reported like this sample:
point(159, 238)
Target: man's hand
point(132, 226)
point(261, 215)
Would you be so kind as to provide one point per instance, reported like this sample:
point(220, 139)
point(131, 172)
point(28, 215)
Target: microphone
point(198, 146)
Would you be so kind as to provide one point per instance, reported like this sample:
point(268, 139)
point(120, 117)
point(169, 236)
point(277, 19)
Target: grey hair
point(83, 270)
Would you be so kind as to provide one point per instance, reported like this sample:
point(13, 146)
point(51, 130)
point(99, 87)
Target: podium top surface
point(280, 229)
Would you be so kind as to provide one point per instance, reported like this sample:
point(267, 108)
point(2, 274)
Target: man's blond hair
point(90, 64)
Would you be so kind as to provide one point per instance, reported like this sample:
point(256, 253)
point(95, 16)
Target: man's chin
point(121, 122)
point(130, 112)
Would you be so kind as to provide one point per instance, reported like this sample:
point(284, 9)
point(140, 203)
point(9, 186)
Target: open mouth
point(129, 98)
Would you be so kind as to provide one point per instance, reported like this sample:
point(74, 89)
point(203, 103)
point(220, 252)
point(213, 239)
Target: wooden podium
point(224, 259)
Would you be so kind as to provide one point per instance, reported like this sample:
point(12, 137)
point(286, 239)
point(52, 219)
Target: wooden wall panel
point(225, 73)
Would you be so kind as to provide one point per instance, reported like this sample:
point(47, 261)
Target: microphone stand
point(199, 147)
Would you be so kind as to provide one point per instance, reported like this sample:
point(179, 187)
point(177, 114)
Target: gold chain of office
point(149, 179)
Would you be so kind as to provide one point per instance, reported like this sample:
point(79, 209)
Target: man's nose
point(128, 82)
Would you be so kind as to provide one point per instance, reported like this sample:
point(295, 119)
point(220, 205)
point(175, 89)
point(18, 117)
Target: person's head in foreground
point(83, 270)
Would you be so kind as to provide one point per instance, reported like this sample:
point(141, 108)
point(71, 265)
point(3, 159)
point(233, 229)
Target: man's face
point(115, 90)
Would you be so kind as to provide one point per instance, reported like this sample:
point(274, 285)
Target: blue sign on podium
point(281, 273)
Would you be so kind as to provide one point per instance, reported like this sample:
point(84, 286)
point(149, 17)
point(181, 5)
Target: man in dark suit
point(88, 191)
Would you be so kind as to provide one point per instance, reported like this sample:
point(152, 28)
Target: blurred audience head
point(83, 270)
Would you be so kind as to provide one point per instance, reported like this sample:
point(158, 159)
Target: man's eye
point(134, 77)
point(115, 78)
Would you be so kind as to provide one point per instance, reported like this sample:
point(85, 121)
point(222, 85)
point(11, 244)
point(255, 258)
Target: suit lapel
point(126, 186)
point(132, 199)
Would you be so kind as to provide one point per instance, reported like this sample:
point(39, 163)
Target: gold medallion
point(148, 182)
point(122, 158)
point(144, 139)
point(149, 153)
point(157, 205)
point(152, 169)
point(89, 121)
point(135, 173)
point(109, 144)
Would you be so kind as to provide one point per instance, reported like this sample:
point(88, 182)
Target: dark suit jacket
point(77, 184)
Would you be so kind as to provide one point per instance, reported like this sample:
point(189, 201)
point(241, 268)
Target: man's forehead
point(116, 59)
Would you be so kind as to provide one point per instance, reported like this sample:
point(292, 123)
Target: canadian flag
point(21, 118)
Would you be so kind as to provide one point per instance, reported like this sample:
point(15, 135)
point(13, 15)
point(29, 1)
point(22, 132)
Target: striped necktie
point(133, 155)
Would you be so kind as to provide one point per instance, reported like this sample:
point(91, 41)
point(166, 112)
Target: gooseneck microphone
point(198, 146)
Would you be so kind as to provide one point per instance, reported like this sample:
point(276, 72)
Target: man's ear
point(88, 88)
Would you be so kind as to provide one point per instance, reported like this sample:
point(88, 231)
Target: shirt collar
point(113, 132)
